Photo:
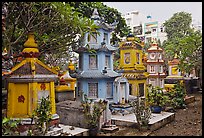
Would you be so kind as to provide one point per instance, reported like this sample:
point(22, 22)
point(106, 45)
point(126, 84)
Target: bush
point(141, 111)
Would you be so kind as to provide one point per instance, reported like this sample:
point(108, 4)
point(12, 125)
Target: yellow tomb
point(174, 75)
point(66, 89)
point(132, 66)
point(30, 80)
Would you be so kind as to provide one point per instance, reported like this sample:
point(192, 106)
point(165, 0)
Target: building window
point(154, 30)
point(109, 90)
point(128, 21)
point(127, 58)
point(92, 61)
point(148, 39)
point(80, 62)
point(107, 60)
point(152, 81)
point(160, 56)
point(152, 69)
point(93, 90)
point(105, 38)
point(160, 69)
point(79, 89)
point(161, 29)
point(141, 89)
point(92, 38)
point(130, 89)
point(138, 58)
point(137, 30)
point(161, 83)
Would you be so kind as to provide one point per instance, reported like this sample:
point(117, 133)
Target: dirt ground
point(188, 122)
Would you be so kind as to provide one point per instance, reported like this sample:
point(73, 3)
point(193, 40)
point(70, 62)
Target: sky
point(160, 11)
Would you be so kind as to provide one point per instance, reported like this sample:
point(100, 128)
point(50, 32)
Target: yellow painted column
point(9, 100)
point(29, 97)
point(33, 96)
point(52, 97)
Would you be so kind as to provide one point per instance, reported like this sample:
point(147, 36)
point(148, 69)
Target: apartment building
point(144, 26)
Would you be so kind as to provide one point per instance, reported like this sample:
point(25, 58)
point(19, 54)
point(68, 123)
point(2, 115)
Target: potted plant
point(93, 112)
point(156, 99)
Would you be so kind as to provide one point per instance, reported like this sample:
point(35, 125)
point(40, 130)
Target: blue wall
point(102, 93)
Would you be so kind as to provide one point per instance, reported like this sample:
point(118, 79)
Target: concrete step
point(73, 131)
point(110, 129)
point(189, 99)
point(156, 120)
point(55, 132)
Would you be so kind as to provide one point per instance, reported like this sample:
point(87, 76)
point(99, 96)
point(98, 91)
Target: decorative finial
point(5, 52)
point(31, 41)
point(130, 37)
point(95, 15)
point(71, 66)
point(175, 56)
point(30, 47)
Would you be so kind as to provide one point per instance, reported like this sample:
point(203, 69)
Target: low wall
point(63, 96)
point(70, 113)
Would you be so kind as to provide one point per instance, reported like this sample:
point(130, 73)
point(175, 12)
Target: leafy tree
point(191, 52)
point(57, 27)
point(183, 40)
point(178, 25)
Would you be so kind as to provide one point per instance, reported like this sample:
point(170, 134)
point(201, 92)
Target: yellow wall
point(30, 92)
point(135, 87)
point(133, 59)
point(174, 70)
point(16, 108)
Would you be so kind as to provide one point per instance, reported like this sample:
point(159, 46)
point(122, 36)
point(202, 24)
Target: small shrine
point(155, 65)
point(29, 81)
point(174, 71)
point(121, 93)
point(132, 66)
point(174, 74)
point(66, 88)
point(95, 75)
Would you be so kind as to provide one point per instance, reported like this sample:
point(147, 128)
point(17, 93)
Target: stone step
point(110, 129)
point(189, 99)
point(73, 131)
point(55, 132)
point(156, 120)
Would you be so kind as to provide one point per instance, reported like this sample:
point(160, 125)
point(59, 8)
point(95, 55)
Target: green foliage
point(177, 96)
point(183, 40)
point(156, 96)
point(93, 111)
point(57, 27)
point(141, 111)
point(42, 116)
point(9, 127)
point(178, 25)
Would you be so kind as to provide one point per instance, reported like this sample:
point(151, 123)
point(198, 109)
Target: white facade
point(139, 24)
point(155, 66)
point(197, 26)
